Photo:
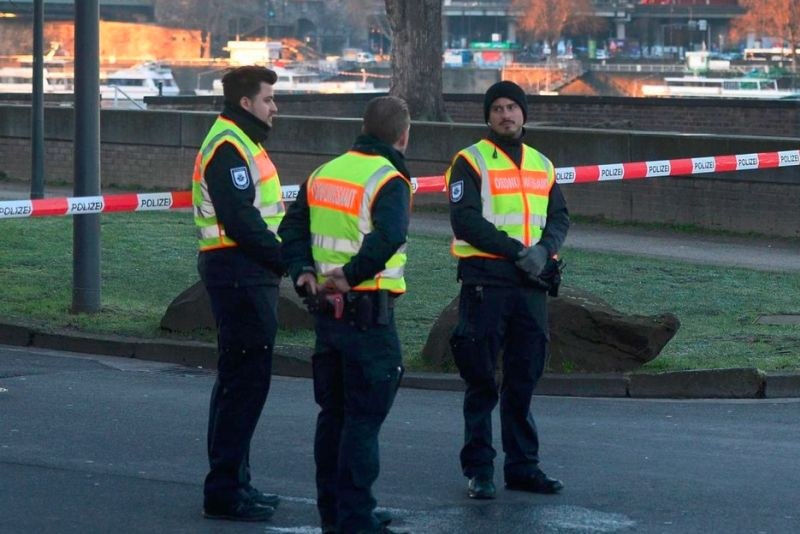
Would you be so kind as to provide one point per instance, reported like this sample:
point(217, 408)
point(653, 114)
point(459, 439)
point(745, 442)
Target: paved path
point(100, 444)
point(761, 253)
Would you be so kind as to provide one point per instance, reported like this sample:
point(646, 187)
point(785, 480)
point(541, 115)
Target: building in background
point(652, 27)
point(118, 10)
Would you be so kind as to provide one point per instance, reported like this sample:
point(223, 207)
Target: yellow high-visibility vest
point(340, 195)
point(261, 169)
point(514, 199)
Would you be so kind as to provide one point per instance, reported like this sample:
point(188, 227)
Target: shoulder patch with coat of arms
point(456, 191)
point(240, 177)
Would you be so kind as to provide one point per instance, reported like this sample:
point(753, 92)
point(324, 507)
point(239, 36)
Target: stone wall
point(695, 115)
point(155, 150)
point(702, 115)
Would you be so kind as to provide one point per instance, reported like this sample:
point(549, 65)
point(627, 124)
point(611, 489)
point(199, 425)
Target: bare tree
point(548, 20)
point(771, 18)
point(417, 56)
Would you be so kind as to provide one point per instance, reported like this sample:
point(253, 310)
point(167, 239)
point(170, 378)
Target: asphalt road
point(100, 444)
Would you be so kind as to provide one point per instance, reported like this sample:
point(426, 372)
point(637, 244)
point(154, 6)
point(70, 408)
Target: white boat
point(300, 81)
point(139, 81)
point(703, 87)
point(20, 80)
point(305, 81)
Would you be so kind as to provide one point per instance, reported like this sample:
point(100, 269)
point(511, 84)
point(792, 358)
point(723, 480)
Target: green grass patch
point(149, 258)
point(717, 307)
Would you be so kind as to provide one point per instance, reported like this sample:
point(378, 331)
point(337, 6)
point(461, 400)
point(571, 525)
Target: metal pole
point(269, 9)
point(86, 228)
point(37, 103)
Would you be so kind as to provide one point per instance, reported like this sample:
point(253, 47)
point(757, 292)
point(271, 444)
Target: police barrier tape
point(651, 169)
point(423, 184)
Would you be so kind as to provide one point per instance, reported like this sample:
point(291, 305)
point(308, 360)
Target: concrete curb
point(584, 385)
point(295, 361)
point(707, 383)
point(780, 385)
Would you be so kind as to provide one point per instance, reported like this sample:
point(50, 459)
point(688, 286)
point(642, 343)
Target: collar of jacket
point(369, 144)
point(511, 146)
point(506, 142)
point(255, 128)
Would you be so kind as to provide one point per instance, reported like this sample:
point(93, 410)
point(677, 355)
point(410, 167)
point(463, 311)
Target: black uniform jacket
point(469, 225)
point(257, 259)
point(390, 213)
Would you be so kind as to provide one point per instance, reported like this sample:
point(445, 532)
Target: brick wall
point(772, 118)
point(155, 150)
point(700, 115)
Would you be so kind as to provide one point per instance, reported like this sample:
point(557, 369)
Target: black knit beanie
point(505, 89)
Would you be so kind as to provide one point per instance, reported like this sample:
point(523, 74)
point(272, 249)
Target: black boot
point(480, 487)
point(265, 499)
point(536, 482)
point(239, 511)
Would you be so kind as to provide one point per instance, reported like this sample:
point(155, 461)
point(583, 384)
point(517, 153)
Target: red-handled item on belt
point(336, 301)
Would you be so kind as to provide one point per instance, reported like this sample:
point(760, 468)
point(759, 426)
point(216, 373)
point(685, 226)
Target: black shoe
point(480, 487)
point(536, 482)
point(264, 499)
point(241, 511)
point(383, 517)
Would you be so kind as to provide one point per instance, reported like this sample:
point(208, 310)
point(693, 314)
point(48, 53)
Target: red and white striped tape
point(422, 184)
point(650, 169)
point(107, 203)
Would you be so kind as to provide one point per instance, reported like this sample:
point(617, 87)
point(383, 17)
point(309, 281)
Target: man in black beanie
point(509, 218)
point(509, 90)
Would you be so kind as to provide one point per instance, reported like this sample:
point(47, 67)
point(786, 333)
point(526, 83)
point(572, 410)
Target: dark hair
point(387, 118)
point(246, 81)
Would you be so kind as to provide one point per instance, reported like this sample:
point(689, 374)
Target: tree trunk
point(417, 56)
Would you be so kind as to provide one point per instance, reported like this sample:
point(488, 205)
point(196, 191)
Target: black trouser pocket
point(473, 361)
point(372, 365)
point(372, 387)
point(468, 342)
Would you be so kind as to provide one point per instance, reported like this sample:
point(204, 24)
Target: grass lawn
point(148, 258)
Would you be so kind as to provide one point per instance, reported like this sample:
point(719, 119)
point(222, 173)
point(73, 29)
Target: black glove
point(549, 279)
point(532, 259)
point(314, 303)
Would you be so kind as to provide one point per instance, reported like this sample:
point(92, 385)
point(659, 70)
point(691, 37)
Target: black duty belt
point(363, 309)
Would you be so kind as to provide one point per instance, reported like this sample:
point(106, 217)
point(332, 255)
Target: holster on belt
point(326, 303)
point(369, 308)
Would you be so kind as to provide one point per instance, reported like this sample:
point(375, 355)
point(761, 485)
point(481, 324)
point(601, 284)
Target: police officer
point(237, 207)
point(508, 217)
point(344, 243)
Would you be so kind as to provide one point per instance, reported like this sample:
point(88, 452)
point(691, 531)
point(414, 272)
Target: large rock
point(436, 351)
point(586, 335)
point(191, 310)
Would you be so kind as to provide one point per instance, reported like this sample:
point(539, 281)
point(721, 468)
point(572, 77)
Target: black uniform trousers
point(356, 375)
point(247, 322)
point(491, 319)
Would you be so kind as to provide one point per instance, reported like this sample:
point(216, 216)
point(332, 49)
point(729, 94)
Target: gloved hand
point(532, 259)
